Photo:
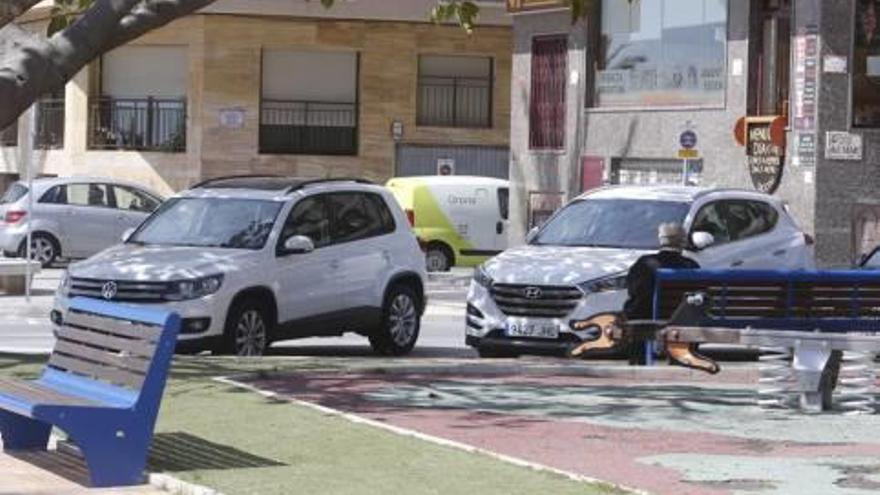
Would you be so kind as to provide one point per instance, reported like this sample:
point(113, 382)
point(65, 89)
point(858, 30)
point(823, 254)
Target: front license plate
point(537, 330)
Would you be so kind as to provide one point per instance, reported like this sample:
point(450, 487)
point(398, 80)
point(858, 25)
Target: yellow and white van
point(460, 220)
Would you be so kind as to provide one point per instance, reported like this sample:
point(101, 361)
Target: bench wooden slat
point(38, 394)
point(97, 372)
point(134, 347)
point(115, 327)
point(103, 356)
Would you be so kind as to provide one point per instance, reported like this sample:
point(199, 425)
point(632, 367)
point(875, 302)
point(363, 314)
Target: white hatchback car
point(529, 299)
point(249, 260)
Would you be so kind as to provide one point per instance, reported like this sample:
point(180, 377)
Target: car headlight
point(64, 283)
point(605, 284)
point(194, 289)
point(483, 278)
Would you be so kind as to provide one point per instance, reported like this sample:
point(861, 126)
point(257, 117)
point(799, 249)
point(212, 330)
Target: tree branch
point(34, 67)
point(10, 9)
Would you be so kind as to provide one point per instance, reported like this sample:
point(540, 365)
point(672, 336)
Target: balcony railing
point(454, 102)
point(308, 128)
point(523, 5)
point(50, 124)
point(138, 124)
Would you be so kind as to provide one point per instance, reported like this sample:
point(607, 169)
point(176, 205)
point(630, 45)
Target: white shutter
point(296, 75)
point(142, 71)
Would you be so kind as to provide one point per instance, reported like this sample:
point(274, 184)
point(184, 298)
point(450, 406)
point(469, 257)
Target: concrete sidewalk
point(23, 476)
point(25, 326)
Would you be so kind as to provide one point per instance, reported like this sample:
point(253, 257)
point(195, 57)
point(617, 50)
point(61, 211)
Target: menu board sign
point(766, 157)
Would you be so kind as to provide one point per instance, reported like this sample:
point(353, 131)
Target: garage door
point(485, 161)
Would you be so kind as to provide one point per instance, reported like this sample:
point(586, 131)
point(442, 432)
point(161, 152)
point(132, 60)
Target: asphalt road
point(25, 328)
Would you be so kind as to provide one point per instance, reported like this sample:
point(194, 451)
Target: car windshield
point(15, 192)
point(613, 223)
point(210, 222)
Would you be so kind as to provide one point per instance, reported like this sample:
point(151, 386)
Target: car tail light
point(14, 216)
point(411, 217)
point(809, 240)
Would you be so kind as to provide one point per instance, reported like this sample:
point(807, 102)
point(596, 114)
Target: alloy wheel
point(402, 320)
point(42, 250)
point(250, 334)
point(436, 261)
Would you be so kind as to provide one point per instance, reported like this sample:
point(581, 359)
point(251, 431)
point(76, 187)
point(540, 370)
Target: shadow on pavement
point(179, 451)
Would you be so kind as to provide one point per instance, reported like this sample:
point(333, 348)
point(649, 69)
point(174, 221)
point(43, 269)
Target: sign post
point(688, 141)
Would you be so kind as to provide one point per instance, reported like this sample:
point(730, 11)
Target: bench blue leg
point(114, 461)
point(21, 433)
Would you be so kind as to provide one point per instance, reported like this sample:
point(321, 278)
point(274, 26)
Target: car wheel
point(401, 321)
point(44, 249)
point(438, 258)
point(247, 330)
point(488, 353)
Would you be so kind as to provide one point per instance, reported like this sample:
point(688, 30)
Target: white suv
point(539, 298)
point(249, 260)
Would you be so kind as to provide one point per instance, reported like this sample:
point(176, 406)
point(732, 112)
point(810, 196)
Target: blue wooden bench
point(102, 386)
point(813, 316)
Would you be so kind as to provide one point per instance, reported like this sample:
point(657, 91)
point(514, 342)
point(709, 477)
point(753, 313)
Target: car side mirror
point(702, 240)
point(127, 234)
point(532, 234)
point(298, 244)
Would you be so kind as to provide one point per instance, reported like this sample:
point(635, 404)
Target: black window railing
point(50, 124)
point(9, 136)
point(308, 128)
point(454, 102)
point(138, 124)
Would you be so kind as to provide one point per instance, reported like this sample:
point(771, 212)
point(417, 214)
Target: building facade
point(368, 89)
point(781, 96)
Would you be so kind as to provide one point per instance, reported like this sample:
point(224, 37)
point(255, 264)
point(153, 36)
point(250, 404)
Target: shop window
point(661, 53)
point(547, 110)
point(866, 65)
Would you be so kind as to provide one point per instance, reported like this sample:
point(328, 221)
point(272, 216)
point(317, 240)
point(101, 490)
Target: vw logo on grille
point(109, 290)
point(533, 292)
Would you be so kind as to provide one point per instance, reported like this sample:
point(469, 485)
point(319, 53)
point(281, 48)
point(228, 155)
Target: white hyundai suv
point(539, 298)
point(249, 260)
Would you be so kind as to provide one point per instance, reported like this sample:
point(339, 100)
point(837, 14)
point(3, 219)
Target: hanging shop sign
point(764, 139)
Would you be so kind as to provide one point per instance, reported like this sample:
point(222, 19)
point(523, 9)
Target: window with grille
point(547, 112)
point(455, 91)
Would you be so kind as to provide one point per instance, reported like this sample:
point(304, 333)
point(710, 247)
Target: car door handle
point(780, 252)
point(499, 227)
point(737, 263)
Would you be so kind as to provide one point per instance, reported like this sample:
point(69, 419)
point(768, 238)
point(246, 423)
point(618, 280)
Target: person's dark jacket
point(641, 280)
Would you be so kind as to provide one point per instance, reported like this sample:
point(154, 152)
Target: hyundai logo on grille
point(109, 290)
point(533, 292)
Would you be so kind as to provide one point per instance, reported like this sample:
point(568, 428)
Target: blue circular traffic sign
point(688, 139)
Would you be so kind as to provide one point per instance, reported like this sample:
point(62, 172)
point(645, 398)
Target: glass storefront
point(661, 53)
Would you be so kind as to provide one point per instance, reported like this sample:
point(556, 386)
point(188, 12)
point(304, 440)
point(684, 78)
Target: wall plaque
point(843, 146)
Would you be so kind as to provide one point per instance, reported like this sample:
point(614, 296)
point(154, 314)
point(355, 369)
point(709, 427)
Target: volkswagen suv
point(249, 260)
point(540, 298)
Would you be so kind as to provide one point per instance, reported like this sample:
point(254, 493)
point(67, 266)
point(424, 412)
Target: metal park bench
point(13, 275)
point(822, 328)
point(102, 386)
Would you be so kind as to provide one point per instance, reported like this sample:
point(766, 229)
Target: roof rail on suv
point(313, 182)
point(208, 182)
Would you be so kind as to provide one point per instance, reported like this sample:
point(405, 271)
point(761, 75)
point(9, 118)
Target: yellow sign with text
point(688, 154)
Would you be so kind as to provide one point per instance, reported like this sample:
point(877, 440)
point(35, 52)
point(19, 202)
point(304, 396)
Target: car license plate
point(537, 330)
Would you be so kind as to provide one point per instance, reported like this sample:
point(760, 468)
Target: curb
point(170, 484)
